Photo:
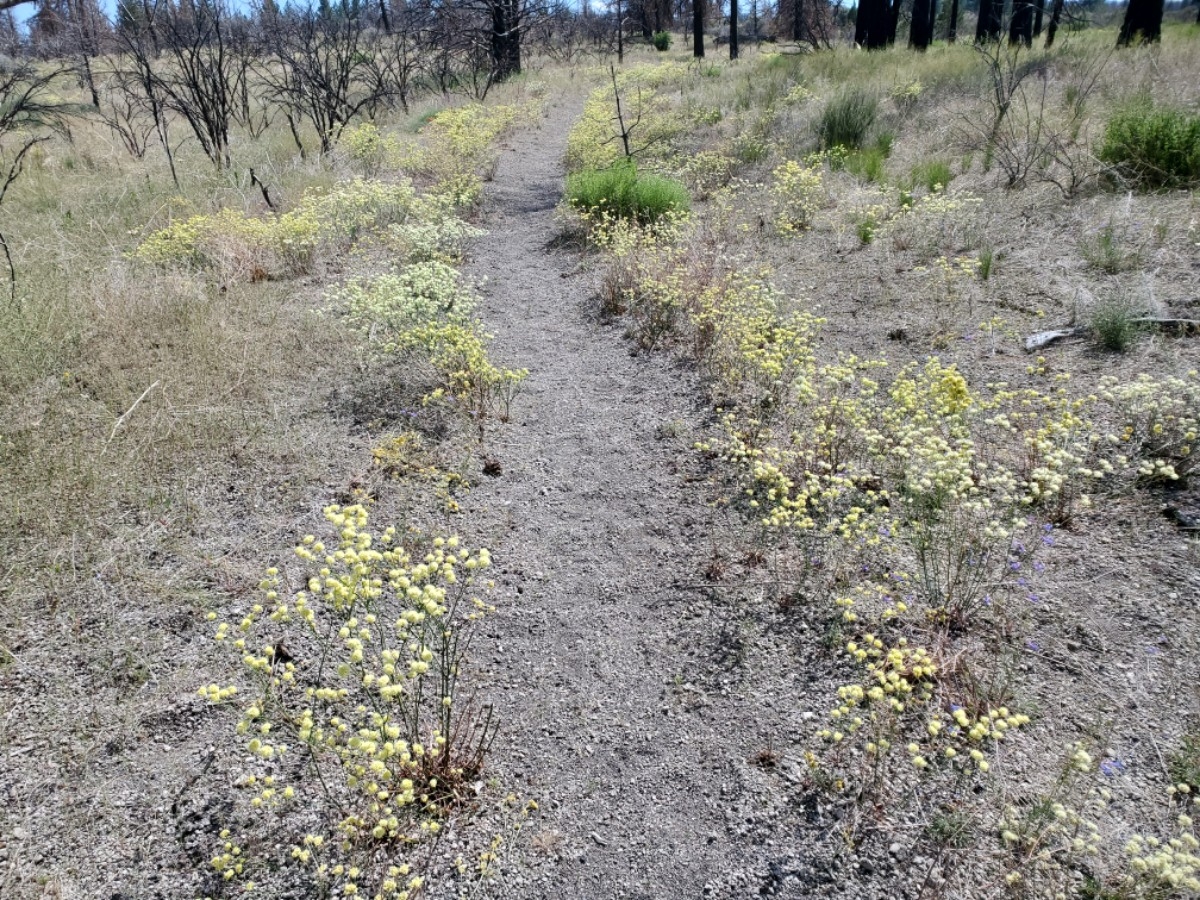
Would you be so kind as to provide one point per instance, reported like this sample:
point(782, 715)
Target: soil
point(602, 604)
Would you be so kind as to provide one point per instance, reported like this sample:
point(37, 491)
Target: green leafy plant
point(1154, 146)
point(951, 828)
point(661, 41)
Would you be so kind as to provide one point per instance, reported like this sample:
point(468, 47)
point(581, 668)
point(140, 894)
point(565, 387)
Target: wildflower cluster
point(424, 310)
point(359, 743)
point(707, 171)
point(319, 225)
point(906, 95)
point(458, 351)
point(356, 672)
point(592, 142)
point(1165, 868)
point(397, 301)
point(798, 95)
point(373, 151)
point(458, 149)
point(797, 192)
point(1157, 423)
point(438, 240)
point(936, 221)
point(915, 502)
point(1047, 838)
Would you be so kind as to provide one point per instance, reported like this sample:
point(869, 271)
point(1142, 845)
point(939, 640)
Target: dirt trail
point(594, 526)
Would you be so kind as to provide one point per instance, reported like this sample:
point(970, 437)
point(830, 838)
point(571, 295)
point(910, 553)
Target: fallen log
point(1046, 338)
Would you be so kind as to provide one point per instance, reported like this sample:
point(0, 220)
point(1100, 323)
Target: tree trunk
point(698, 29)
point(919, 30)
point(893, 21)
point(1052, 28)
point(797, 20)
point(952, 28)
point(991, 12)
point(506, 39)
point(620, 34)
point(871, 28)
point(1142, 18)
point(1039, 10)
point(1020, 28)
point(733, 29)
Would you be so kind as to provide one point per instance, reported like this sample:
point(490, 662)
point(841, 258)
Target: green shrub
point(661, 41)
point(622, 192)
point(932, 174)
point(1115, 325)
point(847, 119)
point(1155, 146)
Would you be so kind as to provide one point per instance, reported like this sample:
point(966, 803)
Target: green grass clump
point(1184, 764)
point(661, 41)
point(987, 263)
point(1115, 325)
point(620, 191)
point(868, 163)
point(847, 119)
point(1105, 250)
point(1155, 146)
point(932, 175)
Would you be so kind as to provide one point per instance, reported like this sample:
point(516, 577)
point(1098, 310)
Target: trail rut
point(605, 543)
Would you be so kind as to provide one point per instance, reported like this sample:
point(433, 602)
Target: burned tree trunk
point(872, 28)
point(920, 33)
point(1143, 23)
point(991, 14)
point(698, 29)
point(733, 29)
point(1055, 18)
point(1020, 29)
point(506, 38)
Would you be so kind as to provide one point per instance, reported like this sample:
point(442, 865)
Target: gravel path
point(602, 544)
